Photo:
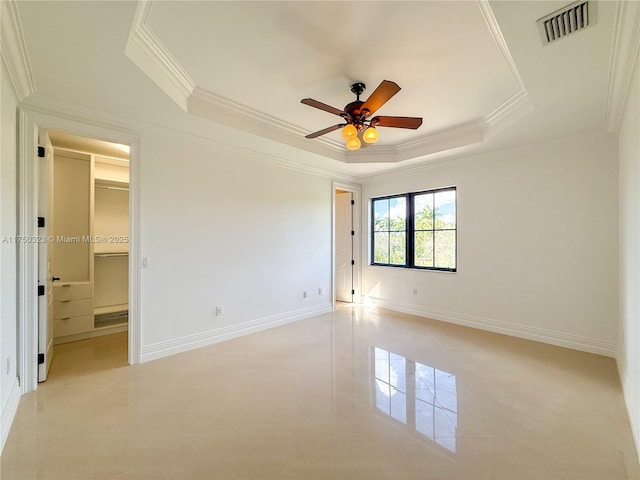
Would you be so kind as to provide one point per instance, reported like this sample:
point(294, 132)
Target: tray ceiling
point(476, 71)
point(248, 64)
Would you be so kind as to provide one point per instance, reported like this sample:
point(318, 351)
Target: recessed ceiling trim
point(202, 99)
point(208, 105)
point(517, 103)
point(70, 115)
point(15, 55)
point(458, 136)
point(148, 52)
point(494, 28)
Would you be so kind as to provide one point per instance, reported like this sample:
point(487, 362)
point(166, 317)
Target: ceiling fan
point(357, 115)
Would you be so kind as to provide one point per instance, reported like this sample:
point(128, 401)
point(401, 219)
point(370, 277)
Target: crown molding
point(519, 103)
point(90, 117)
point(496, 33)
point(407, 171)
point(452, 137)
point(624, 56)
point(462, 156)
point(147, 51)
point(203, 99)
point(222, 110)
point(15, 56)
point(515, 107)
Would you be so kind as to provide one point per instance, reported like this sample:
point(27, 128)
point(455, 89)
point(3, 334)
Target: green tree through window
point(416, 230)
point(390, 231)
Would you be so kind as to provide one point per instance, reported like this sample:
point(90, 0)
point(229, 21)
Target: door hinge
point(353, 202)
point(40, 290)
point(40, 358)
point(353, 262)
point(41, 152)
point(40, 222)
point(353, 292)
point(353, 232)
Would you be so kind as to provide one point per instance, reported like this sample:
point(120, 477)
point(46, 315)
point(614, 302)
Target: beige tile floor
point(358, 394)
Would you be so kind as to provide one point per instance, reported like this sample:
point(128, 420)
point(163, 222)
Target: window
point(415, 230)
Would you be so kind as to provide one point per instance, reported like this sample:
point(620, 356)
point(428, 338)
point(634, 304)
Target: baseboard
point(183, 344)
point(552, 337)
point(9, 413)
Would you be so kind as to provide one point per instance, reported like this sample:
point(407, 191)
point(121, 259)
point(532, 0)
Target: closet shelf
point(111, 184)
point(111, 309)
point(111, 187)
point(111, 254)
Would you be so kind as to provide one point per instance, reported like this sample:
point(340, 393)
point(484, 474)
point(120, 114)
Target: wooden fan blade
point(397, 122)
point(326, 130)
point(322, 106)
point(380, 96)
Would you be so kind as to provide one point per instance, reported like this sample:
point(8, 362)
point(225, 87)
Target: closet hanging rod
point(123, 254)
point(109, 187)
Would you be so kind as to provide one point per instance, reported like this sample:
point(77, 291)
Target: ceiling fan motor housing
point(356, 115)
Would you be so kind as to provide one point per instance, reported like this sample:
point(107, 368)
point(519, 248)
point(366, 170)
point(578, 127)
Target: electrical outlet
point(414, 291)
point(305, 294)
point(145, 262)
point(219, 310)
point(320, 291)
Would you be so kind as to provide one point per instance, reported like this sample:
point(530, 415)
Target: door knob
point(53, 279)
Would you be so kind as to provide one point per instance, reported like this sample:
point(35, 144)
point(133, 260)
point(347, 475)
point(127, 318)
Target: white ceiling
point(476, 71)
point(273, 55)
point(90, 145)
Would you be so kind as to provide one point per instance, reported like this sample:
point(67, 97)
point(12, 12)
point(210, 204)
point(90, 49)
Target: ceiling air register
point(570, 19)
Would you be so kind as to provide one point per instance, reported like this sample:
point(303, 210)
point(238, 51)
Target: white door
point(45, 249)
point(344, 247)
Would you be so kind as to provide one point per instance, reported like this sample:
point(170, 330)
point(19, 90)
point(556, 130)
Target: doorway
point(30, 122)
point(83, 208)
point(346, 251)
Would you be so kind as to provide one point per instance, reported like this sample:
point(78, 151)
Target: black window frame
point(410, 230)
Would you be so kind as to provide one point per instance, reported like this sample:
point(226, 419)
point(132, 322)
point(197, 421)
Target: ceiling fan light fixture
point(353, 143)
point(370, 135)
point(349, 131)
point(356, 115)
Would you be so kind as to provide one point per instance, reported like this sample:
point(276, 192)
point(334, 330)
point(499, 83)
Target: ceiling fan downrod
point(357, 88)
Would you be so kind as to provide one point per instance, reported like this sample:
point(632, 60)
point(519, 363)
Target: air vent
point(567, 20)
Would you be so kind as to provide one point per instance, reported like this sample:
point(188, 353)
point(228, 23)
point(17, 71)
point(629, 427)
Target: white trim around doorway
point(357, 239)
point(28, 124)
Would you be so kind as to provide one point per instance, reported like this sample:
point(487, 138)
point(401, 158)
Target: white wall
point(8, 254)
point(219, 228)
point(537, 244)
point(629, 329)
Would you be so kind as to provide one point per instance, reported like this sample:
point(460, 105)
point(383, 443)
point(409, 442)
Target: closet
point(91, 247)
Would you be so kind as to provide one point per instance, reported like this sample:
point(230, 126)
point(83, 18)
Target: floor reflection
point(422, 397)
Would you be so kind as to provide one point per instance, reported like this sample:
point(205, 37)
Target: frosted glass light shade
point(370, 135)
point(349, 131)
point(353, 143)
